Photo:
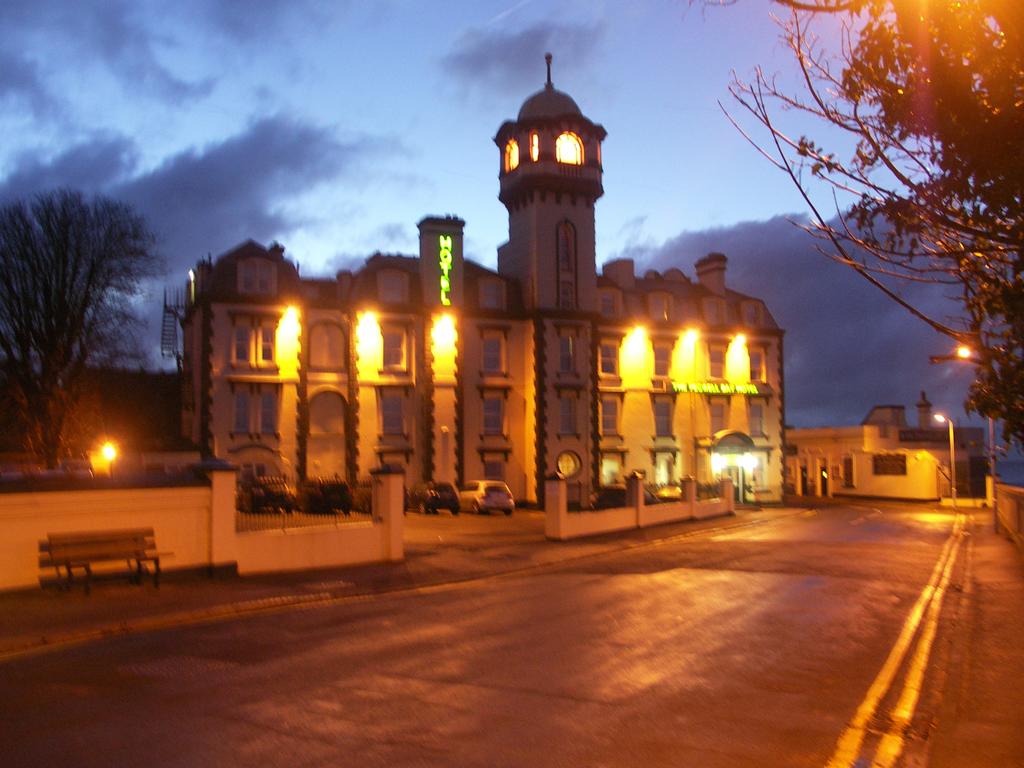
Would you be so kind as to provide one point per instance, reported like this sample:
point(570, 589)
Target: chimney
point(620, 272)
point(924, 413)
point(711, 273)
point(276, 250)
point(441, 260)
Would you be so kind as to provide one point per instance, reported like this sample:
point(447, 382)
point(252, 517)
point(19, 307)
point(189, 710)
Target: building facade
point(886, 457)
point(455, 372)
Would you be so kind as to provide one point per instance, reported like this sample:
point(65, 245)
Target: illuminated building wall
point(450, 370)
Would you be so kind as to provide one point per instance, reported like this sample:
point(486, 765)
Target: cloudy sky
point(334, 127)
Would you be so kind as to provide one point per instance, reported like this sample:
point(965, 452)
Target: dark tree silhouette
point(931, 98)
point(69, 270)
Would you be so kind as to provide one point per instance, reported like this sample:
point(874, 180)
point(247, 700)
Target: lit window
point(267, 345)
point(569, 149)
point(611, 469)
point(609, 416)
point(534, 146)
point(511, 155)
point(756, 364)
point(567, 415)
point(609, 359)
point(716, 362)
point(717, 417)
point(268, 413)
point(663, 418)
point(567, 354)
point(662, 359)
point(241, 411)
point(493, 416)
point(492, 357)
point(757, 419)
point(391, 415)
point(241, 347)
point(394, 349)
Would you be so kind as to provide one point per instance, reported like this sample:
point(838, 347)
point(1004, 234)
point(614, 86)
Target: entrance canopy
point(728, 441)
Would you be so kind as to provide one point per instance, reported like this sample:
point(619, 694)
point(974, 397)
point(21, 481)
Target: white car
point(482, 496)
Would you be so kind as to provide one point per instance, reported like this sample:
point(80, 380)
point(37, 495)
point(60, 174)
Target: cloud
point(489, 59)
point(20, 81)
point(91, 166)
point(847, 346)
point(206, 199)
point(117, 33)
point(212, 198)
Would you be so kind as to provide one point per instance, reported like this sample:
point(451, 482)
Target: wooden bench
point(134, 546)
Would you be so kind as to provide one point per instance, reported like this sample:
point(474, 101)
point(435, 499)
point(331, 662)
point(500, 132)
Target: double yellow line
point(926, 610)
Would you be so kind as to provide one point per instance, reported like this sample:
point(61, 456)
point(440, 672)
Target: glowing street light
point(964, 354)
point(109, 451)
point(952, 455)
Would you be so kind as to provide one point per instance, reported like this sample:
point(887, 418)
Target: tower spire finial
point(547, 59)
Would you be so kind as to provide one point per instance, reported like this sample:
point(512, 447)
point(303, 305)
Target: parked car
point(266, 494)
point(429, 498)
point(483, 496)
point(326, 495)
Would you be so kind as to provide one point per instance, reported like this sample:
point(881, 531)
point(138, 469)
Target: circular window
point(569, 464)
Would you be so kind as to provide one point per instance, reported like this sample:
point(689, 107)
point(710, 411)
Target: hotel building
point(454, 371)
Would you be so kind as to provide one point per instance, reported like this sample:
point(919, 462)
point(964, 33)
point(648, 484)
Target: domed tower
point(550, 177)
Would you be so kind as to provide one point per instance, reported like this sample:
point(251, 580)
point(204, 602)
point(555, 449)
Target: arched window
point(327, 414)
point(534, 146)
point(569, 149)
point(511, 155)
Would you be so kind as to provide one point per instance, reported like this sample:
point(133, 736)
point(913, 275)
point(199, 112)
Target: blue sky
point(334, 127)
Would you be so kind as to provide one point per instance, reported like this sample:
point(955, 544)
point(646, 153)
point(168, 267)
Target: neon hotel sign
point(714, 388)
point(444, 261)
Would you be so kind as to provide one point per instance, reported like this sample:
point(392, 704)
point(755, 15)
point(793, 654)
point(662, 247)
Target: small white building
point(884, 457)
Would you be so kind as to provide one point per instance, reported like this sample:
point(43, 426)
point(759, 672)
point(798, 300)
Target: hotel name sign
point(715, 388)
point(444, 261)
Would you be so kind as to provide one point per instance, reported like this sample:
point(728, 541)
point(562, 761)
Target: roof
point(549, 102)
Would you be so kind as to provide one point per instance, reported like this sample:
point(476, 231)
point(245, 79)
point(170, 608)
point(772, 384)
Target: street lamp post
point(952, 456)
point(965, 354)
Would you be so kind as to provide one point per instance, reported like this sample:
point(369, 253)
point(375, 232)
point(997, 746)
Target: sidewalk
point(983, 704)
point(41, 619)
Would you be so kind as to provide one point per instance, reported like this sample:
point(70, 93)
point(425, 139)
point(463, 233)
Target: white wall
point(197, 525)
point(180, 518)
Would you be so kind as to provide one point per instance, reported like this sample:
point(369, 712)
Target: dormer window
point(534, 146)
point(392, 287)
point(659, 306)
point(492, 294)
point(511, 155)
point(256, 276)
point(569, 149)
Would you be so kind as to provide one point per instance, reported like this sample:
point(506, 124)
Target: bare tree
point(931, 98)
point(69, 271)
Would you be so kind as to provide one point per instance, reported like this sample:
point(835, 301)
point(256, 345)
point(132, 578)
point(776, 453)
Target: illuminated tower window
point(569, 149)
point(534, 146)
point(511, 155)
